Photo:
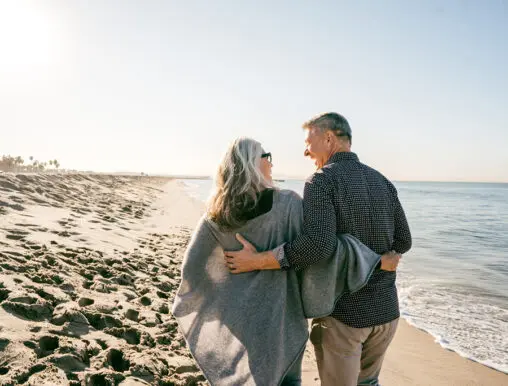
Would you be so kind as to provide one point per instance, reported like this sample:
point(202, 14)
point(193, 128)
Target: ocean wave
point(461, 320)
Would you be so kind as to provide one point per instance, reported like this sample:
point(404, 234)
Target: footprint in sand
point(132, 314)
point(116, 359)
point(146, 301)
point(4, 293)
point(101, 321)
point(4, 343)
point(16, 234)
point(12, 206)
point(84, 302)
point(47, 345)
point(130, 335)
point(29, 307)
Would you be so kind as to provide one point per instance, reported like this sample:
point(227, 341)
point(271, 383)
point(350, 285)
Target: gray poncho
point(249, 328)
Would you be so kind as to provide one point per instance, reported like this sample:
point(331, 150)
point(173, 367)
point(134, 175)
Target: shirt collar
point(342, 156)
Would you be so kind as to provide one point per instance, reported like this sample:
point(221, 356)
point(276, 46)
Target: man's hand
point(244, 260)
point(390, 261)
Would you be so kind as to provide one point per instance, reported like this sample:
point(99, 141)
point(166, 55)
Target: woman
point(237, 330)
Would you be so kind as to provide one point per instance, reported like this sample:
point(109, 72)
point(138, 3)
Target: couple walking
point(262, 261)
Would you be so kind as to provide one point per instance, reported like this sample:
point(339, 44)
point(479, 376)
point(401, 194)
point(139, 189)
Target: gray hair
point(330, 121)
point(237, 184)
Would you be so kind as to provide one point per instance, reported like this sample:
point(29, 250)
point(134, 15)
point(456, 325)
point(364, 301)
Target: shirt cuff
point(280, 256)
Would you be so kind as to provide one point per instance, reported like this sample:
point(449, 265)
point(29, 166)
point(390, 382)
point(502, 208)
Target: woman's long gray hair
point(237, 184)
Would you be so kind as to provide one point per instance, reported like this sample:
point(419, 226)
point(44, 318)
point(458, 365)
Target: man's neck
point(338, 149)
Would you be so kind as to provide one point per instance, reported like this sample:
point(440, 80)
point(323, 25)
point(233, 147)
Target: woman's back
point(281, 222)
point(247, 328)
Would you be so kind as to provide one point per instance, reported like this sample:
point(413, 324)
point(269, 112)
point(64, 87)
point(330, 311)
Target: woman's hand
point(390, 261)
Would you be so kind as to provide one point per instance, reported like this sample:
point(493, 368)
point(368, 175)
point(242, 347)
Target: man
point(343, 196)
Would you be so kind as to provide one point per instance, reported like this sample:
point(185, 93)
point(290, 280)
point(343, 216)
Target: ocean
point(454, 281)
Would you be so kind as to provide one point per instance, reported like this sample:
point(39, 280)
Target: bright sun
point(28, 36)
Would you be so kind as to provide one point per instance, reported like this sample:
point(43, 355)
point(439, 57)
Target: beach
point(89, 265)
point(88, 268)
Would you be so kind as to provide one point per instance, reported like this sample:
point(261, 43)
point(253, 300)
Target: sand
point(88, 269)
point(89, 265)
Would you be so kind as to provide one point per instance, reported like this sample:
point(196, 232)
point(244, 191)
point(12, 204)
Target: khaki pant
point(348, 356)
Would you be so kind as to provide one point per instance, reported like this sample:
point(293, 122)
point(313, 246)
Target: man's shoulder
point(375, 172)
point(326, 175)
point(363, 167)
point(319, 175)
point(336, 173)
point(376, 178)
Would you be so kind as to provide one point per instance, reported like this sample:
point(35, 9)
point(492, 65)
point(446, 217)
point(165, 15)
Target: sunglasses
point(267, 155)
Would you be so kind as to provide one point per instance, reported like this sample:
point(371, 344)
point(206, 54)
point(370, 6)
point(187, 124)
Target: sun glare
point(28, 36)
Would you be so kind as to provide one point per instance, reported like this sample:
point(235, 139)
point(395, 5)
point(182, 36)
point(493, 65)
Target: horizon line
point(209, 177)
point(296, 178)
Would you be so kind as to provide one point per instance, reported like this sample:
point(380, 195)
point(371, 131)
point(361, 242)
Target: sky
point(163, 87)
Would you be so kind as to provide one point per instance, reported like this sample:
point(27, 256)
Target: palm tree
point(56, 164)
point(9, 162)
point(18, 161)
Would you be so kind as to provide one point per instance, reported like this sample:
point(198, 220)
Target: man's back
point(367, 207)
point(365, 203)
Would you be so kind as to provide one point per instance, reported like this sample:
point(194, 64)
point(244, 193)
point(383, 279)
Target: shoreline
point(438, 341)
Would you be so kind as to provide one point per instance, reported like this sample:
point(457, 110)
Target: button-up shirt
point(346, 196)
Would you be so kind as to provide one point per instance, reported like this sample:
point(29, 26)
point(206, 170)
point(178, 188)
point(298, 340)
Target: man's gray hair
point(330, 121)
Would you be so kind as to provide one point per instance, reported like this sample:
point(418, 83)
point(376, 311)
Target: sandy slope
point(88, 267)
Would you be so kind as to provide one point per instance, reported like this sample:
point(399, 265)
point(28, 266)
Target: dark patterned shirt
point(346, 196)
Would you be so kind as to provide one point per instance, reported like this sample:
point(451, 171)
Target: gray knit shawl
point(249, 328)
